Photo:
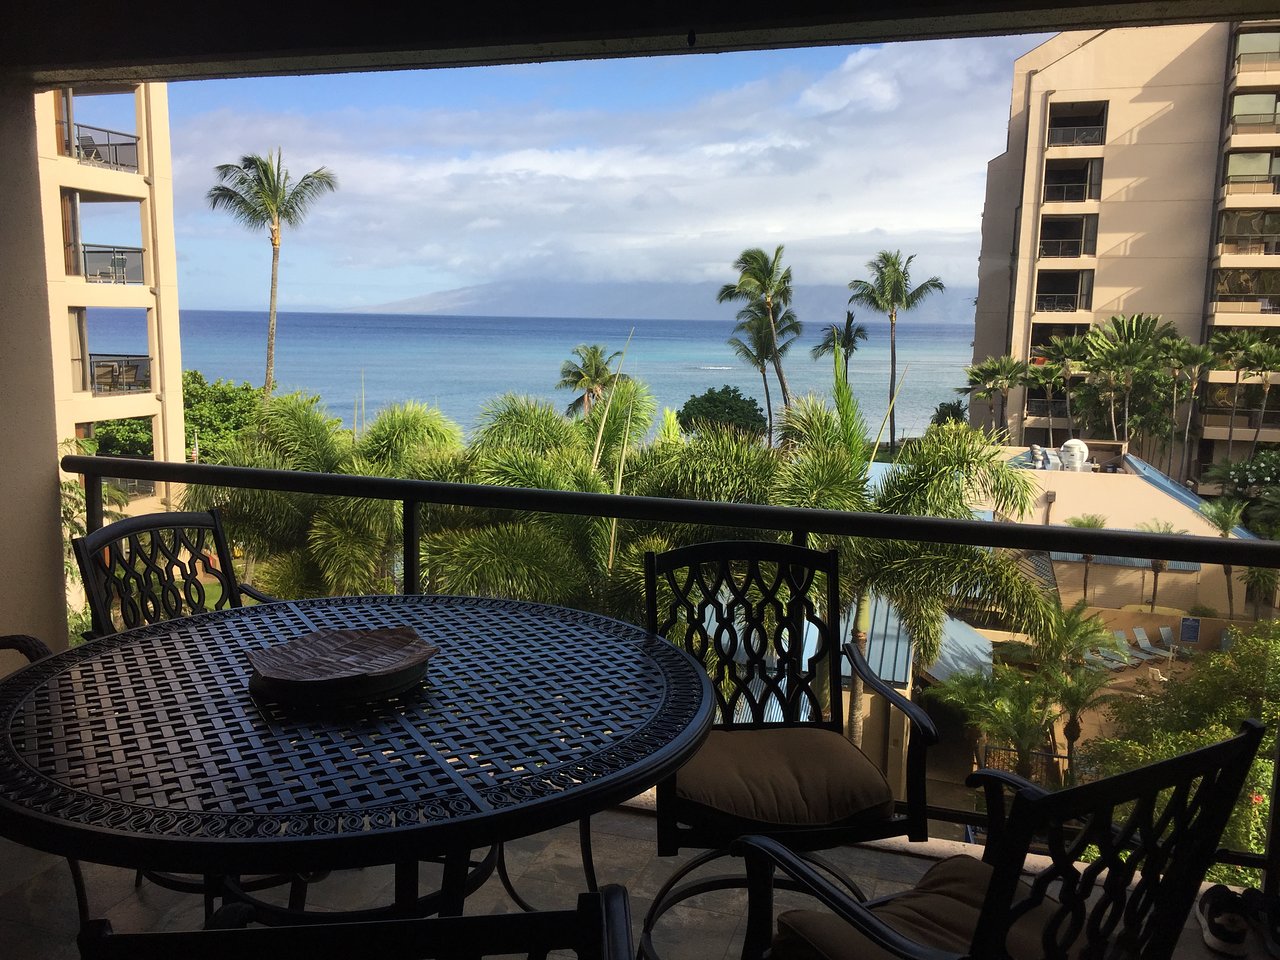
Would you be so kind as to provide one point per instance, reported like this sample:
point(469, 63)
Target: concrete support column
point(31, 586)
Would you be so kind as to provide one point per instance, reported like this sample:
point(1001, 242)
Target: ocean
point(457, 363)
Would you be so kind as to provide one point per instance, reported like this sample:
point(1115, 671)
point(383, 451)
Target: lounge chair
point(1095, 661)
point(1166, 637)
point(1116, 657)
point(1145, 644)
point(1133, 651)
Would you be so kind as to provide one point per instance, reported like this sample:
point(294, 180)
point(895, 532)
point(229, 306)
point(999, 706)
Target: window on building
point(1253, 112)
point(1069, 236)
point(1064, 290)
point(1247, 289)
point(1257, 48)
point(1077, 124)
point(1072, 181)
point(1249, 231)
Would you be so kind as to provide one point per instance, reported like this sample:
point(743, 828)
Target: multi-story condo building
point(1141, 176)
point(110, 263)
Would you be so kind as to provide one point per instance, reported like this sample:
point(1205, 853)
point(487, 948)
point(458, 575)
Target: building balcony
point(1061, 248)
point(1085, 136)
point(99, 147)
point(1252, 68)
point(1059, 303)
point(1046, 408)
point(1247, 123)
point(1246, 303)
point(107, 264)
point(1215, 424)
point(1255, 245)
point(1252, 185)
point(111, 373)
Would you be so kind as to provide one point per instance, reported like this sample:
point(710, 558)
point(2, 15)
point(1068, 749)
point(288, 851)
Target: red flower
point(1256, 798)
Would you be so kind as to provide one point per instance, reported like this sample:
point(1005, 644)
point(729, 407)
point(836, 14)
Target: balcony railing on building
point(1057, 302)
point(1046, 408)
point(1263, 183)
point(1076, 136)
point(119, 373)
point(1066, 192)
point(1245, 420)
point(99, 146)
point(1061, 248)
point(1250, 244)
point(1266, 60)
point(1245, 303)
point(107, 264)
point(1255, 123)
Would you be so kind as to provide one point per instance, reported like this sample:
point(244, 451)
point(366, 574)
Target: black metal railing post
point(92, 502)
point(412, 534)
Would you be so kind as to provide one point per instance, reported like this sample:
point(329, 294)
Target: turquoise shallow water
point(457, 363)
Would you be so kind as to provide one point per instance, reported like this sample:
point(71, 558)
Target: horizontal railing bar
point(1253, 553)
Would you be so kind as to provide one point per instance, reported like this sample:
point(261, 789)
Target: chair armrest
point(994, 784)
point(616, 921)
point(764, 855)
point(921, 723)
point(255, 594)
point(30, 647)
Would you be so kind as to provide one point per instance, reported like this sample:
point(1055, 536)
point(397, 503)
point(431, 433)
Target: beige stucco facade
point(48, 390)
point(1164, 127)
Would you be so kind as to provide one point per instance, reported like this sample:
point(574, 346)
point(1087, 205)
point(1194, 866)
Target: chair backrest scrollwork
point(762, 618)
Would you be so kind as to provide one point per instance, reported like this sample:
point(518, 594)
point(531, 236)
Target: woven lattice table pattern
point(147, 747)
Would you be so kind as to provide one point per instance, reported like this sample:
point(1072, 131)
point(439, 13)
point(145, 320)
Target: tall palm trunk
point(1186, 433)
point(893, 376)
point(768, 403)
point(269, 380)
point(861, 628)
point(1262, 416)
point(777, 360)
point(1088, 561)
point(1157, 567)
point(1173, 424)
point(1048, 394)
point(1127, 394)
point(1071, 731)
point(1066, 392)
point(1231, 423)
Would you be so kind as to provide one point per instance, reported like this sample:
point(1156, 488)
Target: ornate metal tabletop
point(145, 749)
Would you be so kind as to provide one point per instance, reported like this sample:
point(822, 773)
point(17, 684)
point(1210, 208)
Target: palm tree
point(258, 192)
point(1264, 361)
point(889, 291)
point(1007, 373)
point(758, 349)
point(1121, 350)
point(1087, 521)
point(1076, 690)
point(1232, 348)
point(763, 280)
point(1172, 356)
point(1158, 564)
point(1225, 515)
point(591, 374)
point(981, 385)
point(1006, 706)
point(1068, 353)
point(1044, 376)
point(845, 340)
point(1196, 359)
point(1261, 585)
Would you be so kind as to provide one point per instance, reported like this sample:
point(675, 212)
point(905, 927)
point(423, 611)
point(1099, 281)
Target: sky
point(651, 169)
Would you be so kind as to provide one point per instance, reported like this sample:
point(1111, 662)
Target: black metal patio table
point(145, 749)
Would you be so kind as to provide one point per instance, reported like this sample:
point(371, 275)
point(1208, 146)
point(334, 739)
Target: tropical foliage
point(589, 372)
point(723, 406)
point(258, 192)
point(764, 286)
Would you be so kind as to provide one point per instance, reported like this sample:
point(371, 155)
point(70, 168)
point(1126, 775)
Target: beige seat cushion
point(786, 777)
point(941, 911)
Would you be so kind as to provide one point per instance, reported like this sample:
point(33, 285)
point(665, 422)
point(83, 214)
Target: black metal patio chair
point(599, 929)
point(1126, 857)
point(763, 619)
point(33, 649)
point(157, 567)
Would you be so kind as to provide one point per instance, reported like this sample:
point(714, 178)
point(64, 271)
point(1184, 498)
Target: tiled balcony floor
point(38, 913)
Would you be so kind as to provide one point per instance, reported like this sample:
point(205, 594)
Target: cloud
point(888, 149)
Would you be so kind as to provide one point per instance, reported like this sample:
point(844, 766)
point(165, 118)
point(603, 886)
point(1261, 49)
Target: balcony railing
point(119, 373)
point(1253, 183)
point(1066, 192)
point(1046, 408)
point(104, 264)
point(1266, 243)
point(1061, 248)
point(797, 522)
point(1269, 60)
point(1057, 302)
point(99, 146)
point(1245, 303)
point(1255, 123)
point(1076, 136)
point(1245, 419)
